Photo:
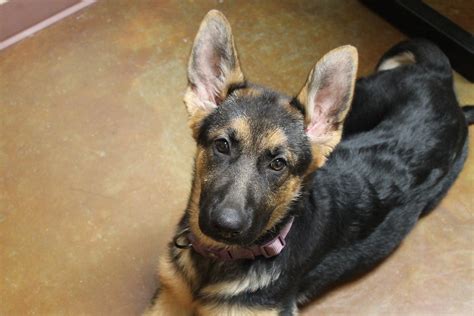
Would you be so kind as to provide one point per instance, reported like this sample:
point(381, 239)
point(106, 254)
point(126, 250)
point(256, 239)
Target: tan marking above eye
point(242, 128)
point(276, 138)
point(249, 92)
point(273, 138)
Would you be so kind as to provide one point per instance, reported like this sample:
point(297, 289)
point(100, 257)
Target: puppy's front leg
point(166, 304)
point(234, 310)
point(174, 296)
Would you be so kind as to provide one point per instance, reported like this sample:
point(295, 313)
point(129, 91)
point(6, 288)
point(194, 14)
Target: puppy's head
point(254, 145)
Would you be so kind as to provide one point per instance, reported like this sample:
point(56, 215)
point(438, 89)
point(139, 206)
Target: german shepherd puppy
point(291, 195)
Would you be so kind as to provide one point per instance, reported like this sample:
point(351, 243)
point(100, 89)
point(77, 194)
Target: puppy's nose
point(229, 220)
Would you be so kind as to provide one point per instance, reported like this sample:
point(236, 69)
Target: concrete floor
point(96, 155)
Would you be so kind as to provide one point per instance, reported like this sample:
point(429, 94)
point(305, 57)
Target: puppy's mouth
point(244, 237)
point(230, 238)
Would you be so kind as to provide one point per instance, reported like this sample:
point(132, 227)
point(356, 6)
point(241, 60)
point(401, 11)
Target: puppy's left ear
point(213, 66)
point(327, 97)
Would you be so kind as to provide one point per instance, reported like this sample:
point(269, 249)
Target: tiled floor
point(96, 156)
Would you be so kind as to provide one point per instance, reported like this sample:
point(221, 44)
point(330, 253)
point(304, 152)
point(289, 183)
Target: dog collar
point(268, 249)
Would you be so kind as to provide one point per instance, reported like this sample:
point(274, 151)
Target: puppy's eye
point(222, 146)
point(278, 164)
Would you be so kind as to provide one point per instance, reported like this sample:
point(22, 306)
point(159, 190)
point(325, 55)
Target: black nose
point(229, 221)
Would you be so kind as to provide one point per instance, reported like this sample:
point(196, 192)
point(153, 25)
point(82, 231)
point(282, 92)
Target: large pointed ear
point(327, 97)
point(213, 65)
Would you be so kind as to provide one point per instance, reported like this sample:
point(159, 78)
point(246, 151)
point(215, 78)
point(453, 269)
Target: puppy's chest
point(220, 280)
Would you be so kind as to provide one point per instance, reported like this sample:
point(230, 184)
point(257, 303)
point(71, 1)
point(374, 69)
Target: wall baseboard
point(44, 23)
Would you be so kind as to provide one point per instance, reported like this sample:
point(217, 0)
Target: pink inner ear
point(324, 112)
point(208, 66)
point(204, 95)
point(329, 100)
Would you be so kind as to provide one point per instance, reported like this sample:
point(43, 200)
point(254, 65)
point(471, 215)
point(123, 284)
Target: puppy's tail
point(416, 51)
point(469, 113)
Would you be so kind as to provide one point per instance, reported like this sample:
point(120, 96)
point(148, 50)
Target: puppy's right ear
point(213, 66)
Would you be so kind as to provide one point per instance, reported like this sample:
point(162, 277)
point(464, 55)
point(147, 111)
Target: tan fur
point(293, 111)
point(321, 151)
point(282, 199)
point(404, 58)
point(184, 261)
point(272, 139)
point(318, 160)
point(233, 310)
point(166, 306)
point(249, 92)
point(253, 281)
point(175, 296)
point(303, 96)
point(242, 128)
point(240, 125)
point(234, 77)
point(196, 117)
